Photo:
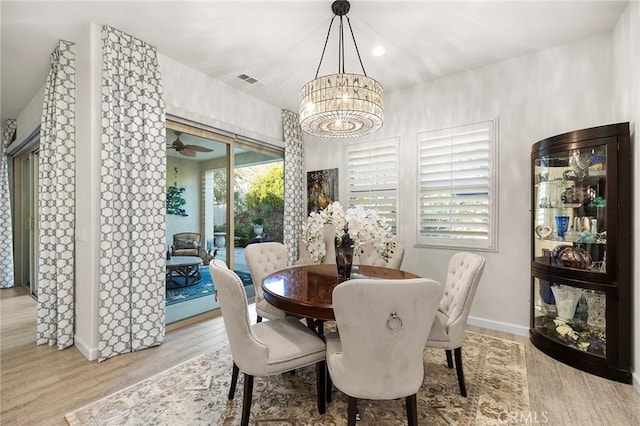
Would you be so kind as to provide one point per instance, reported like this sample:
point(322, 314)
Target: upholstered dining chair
point(378, 351)
point(447, 332)
point(370, 256)
point(262, 260)
point(266, 348)
point(329, 237)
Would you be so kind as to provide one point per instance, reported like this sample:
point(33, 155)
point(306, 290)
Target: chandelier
point(341, 105)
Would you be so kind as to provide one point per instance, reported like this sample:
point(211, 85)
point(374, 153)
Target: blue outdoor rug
point(177, 294)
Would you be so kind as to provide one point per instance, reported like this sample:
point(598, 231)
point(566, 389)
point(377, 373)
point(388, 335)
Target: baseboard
point(498, 326)
point(89, 353)
point(636, 381)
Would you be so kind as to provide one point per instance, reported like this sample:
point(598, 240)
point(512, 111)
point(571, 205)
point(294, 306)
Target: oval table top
point(306, 290)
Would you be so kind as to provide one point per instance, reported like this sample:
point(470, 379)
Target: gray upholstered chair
point(370, 256)
point(262, 260)
point(267, 348)
point(186, 244)
point(447, 331)
point(378, 352)
point(304, 258)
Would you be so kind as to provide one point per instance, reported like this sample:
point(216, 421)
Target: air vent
point(247, 78)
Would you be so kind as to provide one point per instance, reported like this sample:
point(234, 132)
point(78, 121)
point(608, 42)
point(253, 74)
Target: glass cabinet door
point(570, 203)
point(572, 316)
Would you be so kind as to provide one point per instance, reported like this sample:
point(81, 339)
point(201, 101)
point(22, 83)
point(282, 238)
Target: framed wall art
point(322, 189)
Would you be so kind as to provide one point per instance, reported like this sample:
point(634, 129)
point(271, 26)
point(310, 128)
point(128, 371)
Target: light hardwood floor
point(40, 384)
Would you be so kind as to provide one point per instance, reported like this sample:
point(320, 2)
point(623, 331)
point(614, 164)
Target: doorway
point(26, 217)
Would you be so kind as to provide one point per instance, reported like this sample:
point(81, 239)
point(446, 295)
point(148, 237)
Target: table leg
point(316, 325)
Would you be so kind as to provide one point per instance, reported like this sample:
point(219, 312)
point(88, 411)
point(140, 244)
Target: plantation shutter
point(456, 186)
point(372, 177)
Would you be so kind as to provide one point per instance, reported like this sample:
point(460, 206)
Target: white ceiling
point(279, 43)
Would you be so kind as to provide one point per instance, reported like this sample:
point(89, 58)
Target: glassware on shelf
point(567, 298)
point(580, 317)
point(548, 301)
point(574, 257)
point(562, 225)
point(580, 162)
point(597, 303)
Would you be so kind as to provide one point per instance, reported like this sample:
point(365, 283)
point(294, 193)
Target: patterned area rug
point(176, 292)
point(195, 393)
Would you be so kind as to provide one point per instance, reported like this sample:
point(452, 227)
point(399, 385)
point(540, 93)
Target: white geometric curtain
point(7, 278)
point(56, 201)
point(132, 201)
point(293, 182)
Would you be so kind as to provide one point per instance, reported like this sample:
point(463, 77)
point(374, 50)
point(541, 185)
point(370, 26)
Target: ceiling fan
point(188, 150)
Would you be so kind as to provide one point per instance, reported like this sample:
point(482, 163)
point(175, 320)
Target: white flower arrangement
point(363, 226)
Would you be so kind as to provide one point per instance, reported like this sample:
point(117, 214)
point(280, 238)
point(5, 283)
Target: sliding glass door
point(258, 200)
point(219, 190)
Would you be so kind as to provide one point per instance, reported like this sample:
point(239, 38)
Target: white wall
point(535, 96)
point(189, 178)
point(88, 131)
point(192, 95)
point(29, 118)
point(626, 95)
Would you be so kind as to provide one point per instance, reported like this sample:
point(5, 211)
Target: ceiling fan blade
point(188, 152)
point(198, 148)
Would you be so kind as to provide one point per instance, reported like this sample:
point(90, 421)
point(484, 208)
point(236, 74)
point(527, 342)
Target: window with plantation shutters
point(457, 187)
point(372, 177)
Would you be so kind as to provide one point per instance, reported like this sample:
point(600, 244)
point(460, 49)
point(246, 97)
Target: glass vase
point(344, 256)
point(597, 304)
point(567, 298)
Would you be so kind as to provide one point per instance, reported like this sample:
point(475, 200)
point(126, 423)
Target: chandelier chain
point(341, 61)
point(356, 45)
point(325, 45)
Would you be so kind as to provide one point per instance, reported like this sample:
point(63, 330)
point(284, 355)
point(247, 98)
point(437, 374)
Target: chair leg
point(449, 358)
point(246, 399)
point(463, 388)
point(234, 381)
point(352, 410)
point(258, 318)
point(412, 410)
point(329, 385)
point(321, 367)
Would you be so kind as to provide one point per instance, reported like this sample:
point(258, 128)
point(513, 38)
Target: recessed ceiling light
point(378, 51)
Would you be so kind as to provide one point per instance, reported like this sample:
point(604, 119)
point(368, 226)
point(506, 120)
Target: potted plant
point(258, 226)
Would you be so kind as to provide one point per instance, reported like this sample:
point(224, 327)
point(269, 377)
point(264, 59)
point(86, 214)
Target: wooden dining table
point(306, 290)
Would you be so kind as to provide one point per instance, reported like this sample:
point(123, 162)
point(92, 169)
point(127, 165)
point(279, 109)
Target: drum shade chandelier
point(341, 105)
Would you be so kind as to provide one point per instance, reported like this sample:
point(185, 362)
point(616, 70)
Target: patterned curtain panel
point(7, 278)
point(56, 200)
point(132, 201)
point(293, 182)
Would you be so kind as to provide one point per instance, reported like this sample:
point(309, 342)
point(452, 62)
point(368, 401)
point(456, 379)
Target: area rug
point(195, 393)
point(176, 292)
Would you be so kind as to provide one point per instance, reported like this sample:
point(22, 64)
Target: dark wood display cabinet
point(581, 249)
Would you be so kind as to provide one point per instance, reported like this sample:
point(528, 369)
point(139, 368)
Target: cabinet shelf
point(580, 249)
point(567, 240)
